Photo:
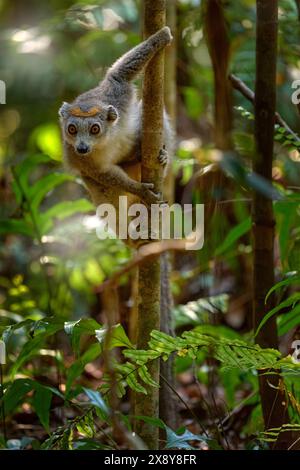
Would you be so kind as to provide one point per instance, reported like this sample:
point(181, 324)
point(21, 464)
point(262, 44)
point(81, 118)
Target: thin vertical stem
point(2, 403)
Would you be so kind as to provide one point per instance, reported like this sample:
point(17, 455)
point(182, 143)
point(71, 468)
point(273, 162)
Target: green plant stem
point(2, 403)
point(38, 236)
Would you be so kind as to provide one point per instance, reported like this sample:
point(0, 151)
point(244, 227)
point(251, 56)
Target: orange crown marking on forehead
point(79, 113)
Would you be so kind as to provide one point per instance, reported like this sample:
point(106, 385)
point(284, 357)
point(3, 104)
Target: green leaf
point(286, 282)
point(146, 377)
point(32, 346)
point(193, 101)
point(294, 255)
point(164, 343)
point(42, 402)
point(289, 320)
point(97, 400)
point(44, 185)
point(286, 303)
point(286, 219)
point(65, 209)
point(140, 356)
point(89, 444)
point(234, 235)
point(77, 328)
point(129, 372)
point(120, 384)
point(86, 425)
point(152, 421)
point(48, 140)
point(15, 393)
point(244, 143)
point(16, 226)
point(23, 171)
point(78, 366)
point(200, 311)
point(234, 353)
point(118, 337)
point(271, 435)
point(181, 441)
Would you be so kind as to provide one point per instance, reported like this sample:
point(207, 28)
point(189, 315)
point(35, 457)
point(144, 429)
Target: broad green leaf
point(120, 385)
point(23, 171)
point(97, 400)
point(75, 329)
point(42, 402)
point(48, 140)
point(86, 425)
point(181, 441)
point(153, 421)
point(32, 346)
point(199, 311)
point(76, 369)
point(93, 272)
point(286, 218)
point(289, 320)
point(16, 226)
point(294, 256)
point(235, 167)
point(234, 235)
point(8, 330)
point(15, 393)
point(193, 101)
point(286, 282)
point(65, 209)
point(89, 444)
point(118, 337)
point(44, 185)
point(286, 303)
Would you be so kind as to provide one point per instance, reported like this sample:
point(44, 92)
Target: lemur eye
point(72, 129)
point(95, 129)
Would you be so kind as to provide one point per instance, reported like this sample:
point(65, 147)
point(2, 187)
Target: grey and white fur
point(101, 129)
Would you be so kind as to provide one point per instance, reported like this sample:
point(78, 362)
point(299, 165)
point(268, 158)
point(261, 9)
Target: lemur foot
point(163, 156)
point(149, 196)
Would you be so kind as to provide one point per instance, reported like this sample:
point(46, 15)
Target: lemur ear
point(112, 113)
point(64, 110)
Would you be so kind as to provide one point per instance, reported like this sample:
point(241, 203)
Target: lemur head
point(87, 126)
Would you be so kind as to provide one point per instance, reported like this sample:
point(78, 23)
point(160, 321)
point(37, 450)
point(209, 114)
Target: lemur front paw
point(163, 156)
point(149, 196)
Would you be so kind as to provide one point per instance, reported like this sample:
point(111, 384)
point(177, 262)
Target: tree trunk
point(218, 44)
point(274, 410)
point(217, 40)
point(167, 401)
point(170, 92)
point(149, 273)
point(298, 8)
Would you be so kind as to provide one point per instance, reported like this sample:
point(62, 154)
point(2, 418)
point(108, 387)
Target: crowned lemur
point(102, 130)
point(102, 141)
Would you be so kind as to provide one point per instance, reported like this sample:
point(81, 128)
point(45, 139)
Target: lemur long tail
point(131, 64)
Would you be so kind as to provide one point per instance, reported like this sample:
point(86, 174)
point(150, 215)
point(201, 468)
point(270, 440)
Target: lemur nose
point(83, 148)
